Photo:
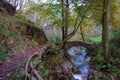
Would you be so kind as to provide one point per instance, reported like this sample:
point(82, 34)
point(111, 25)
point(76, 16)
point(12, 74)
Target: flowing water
point(80, 61)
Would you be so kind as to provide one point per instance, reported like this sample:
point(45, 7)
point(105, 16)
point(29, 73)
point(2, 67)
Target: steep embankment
point(17, 39)
point(16, 33)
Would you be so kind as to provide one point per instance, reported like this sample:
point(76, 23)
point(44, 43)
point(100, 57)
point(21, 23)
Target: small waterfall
point(80, 61)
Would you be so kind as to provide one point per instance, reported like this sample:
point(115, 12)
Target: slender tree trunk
point(82, 33)
point(66, 18)
point(103, 26)
point(63, 37)
point(106, 24)
point(65, 13)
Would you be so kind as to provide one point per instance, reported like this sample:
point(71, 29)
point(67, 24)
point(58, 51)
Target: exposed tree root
point(33, 73)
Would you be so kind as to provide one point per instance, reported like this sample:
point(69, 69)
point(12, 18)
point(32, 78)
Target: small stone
point(76, 70)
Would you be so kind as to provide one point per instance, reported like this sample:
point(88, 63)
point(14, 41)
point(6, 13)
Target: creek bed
point(80, 61)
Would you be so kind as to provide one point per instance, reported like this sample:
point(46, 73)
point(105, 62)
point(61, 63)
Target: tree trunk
point(66, 18)
point(82, 33)
point(65, 13)
point(105, 25)
point(63, 37)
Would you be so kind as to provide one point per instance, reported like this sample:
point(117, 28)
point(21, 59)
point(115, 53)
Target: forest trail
point(10, 64)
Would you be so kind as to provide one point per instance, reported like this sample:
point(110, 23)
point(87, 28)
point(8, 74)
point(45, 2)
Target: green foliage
point(97, 59)
point(108, 67)
point(21, 15)
point(100, 78)
point(97, 39)
point(44, 73)
point(111, 66)
point(83, 48)
point(3, 48)
point(118, 74)
point(47, 12)
point(54, 48)
point(97, 56)
point(12, 31)
point(4, 27)
point(115, 14)
point(114, 34)
point(55, 39)
point(115, 47)
point(3, 56)
point(53, 59)
point(16, 77)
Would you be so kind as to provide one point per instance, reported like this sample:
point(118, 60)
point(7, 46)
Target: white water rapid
point(80, 61)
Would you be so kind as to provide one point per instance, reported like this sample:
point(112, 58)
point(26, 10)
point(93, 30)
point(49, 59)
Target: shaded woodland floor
point(9, 65)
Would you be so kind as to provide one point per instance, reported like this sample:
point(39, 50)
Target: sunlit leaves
point(46, 11)
point(97, 11)
point(115, 14)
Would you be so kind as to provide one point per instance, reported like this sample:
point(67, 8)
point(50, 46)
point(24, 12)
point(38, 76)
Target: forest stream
point(80, 61)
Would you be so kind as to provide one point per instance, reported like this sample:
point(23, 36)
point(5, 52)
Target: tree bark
point(66, 18)
point(65, 13)
point(105, 25)
point(82, 33)
point(62, 2)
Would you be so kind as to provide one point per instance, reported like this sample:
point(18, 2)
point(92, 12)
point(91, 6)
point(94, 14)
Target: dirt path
point(10, 64)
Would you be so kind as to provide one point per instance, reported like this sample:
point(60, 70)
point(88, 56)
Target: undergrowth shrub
point(55, 38)
point(3, 57)
point(110, 66)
